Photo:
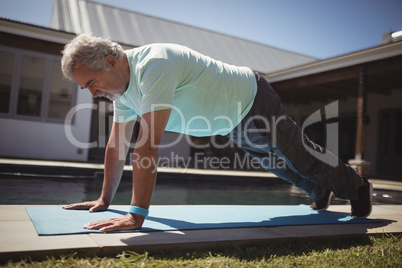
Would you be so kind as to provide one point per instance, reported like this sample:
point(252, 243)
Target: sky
point(317, 28)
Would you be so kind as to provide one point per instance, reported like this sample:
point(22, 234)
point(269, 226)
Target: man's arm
point(115, 156)
point(144, 176)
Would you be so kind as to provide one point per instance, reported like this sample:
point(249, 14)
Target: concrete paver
point(19, 238)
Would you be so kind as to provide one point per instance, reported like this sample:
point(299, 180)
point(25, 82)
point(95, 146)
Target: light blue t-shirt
point(207, 97)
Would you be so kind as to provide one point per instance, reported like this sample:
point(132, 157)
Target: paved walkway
point(18, 237)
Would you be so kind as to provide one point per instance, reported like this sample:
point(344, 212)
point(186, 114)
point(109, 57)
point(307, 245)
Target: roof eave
point(34, 31)
point(354, 58)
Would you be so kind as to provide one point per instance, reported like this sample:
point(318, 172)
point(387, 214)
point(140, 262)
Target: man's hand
point(92, 206)
point(126, 222)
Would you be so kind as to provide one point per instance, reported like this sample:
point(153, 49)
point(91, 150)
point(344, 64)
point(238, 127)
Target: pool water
point(168, 191)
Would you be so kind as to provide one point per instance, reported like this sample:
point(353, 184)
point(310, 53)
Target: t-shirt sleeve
point(158, 84)
point(122, 114)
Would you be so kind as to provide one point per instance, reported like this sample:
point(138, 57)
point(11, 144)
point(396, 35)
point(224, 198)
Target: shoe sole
point(371, 203)
point(328, 203)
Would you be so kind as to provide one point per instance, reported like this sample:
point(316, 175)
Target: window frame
point(44, 108)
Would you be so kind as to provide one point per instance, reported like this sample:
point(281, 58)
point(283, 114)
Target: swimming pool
point(168, 191)
point(34, 190)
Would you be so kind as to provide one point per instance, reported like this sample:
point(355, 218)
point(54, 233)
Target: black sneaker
point(323, 203)
point(362, 208)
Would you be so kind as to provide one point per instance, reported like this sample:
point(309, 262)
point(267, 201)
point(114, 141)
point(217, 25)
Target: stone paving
point(19, 238)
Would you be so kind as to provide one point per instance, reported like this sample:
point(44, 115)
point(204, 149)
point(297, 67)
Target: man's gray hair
point(90, 51)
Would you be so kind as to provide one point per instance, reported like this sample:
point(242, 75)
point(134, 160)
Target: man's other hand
point(127, 222)
point(92, 206)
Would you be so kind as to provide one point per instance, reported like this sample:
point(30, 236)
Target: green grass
point(373, 251)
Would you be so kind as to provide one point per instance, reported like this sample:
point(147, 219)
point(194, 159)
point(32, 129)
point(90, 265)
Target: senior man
point(173, 88)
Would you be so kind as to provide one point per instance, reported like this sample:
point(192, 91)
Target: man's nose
point(94, 92)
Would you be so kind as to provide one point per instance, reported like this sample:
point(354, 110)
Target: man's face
point(100, 84)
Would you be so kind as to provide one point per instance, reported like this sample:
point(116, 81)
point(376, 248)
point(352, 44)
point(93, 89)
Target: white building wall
point(44, 140)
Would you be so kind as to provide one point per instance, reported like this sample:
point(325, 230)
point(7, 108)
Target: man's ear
point(111, 61)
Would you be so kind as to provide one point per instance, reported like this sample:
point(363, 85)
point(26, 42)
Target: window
point(32, 86)
point(60, 93)
point(389, 151)
point(6, 78)
point(32, 74)
point(390, 132)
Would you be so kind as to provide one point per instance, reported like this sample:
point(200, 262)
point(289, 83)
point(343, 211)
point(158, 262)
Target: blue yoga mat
point(55, 220)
